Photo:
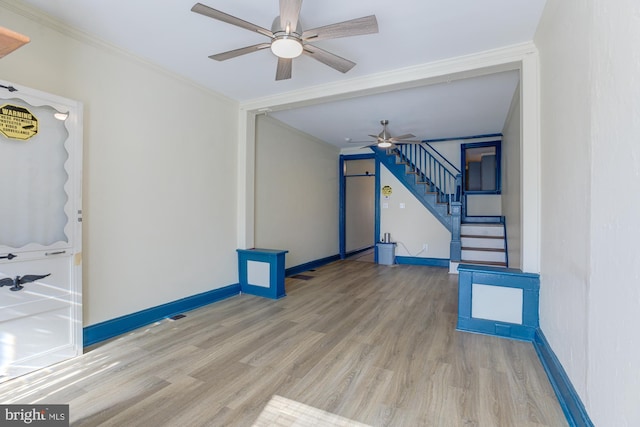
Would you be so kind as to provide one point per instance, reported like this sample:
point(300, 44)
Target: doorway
point(358, 180)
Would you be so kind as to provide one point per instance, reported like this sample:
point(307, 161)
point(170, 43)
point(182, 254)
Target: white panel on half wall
point(496, 303)
point(258, 273)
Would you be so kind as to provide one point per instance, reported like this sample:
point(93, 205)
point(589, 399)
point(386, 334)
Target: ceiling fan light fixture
point(286, 47)
point(384, 144)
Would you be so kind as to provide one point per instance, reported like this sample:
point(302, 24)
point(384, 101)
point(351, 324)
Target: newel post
point(455, 249)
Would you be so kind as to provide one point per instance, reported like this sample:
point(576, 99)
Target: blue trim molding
point(111, 328)
point(567, 396)
point(503, 277)
point(342, 197)
point(377, 237)
point(431, 262)
point(310, 265)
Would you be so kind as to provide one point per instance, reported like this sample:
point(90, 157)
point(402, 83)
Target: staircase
point(426, 178)
point(440, 191)
point(483, 244)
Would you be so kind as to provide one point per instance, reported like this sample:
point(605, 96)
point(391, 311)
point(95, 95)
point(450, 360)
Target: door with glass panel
point(40, 230)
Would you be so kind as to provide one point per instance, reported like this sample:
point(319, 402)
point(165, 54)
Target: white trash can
point(386, 253)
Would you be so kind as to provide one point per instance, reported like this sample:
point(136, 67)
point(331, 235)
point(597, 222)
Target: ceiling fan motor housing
point(286, 43)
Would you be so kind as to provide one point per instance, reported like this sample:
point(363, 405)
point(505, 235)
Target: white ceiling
point(411, 32)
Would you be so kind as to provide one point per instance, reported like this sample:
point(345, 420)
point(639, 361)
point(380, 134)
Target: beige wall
point(590, 103)
point(413, 225)
point(296, 193)
point(511, 182)
point(159, 171)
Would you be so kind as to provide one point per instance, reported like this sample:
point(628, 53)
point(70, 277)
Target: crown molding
point(446, 70)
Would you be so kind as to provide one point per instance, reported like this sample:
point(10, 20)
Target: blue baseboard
point(310, 265)
point(111, 328)
point(432, 262)
point(567, 396)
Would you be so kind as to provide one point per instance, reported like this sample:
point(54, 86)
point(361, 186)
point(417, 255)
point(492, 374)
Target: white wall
point(590, 298)
point(511, 182)
point(296, 193)
point(159, 171)
point(413, 225)
point(614, 297)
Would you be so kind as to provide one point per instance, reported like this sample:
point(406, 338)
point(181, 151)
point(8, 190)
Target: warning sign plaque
point(17, 122)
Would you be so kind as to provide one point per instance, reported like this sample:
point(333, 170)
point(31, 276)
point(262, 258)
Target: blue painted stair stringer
point(428, 200)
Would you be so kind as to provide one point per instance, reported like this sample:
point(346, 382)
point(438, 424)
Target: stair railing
point(433, 173)
point(433, 149)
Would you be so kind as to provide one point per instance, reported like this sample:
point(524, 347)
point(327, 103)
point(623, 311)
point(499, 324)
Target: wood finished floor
point(368, 343)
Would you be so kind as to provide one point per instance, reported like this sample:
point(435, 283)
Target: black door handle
point(9, 257)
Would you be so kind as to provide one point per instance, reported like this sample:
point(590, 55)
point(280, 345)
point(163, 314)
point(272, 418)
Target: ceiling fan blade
point(354, 27)
point(405, 136)
point(238, 52)
point(221, 16)
point(283, 72)
point(289, 13)
point(334, 61)
point(406, 142)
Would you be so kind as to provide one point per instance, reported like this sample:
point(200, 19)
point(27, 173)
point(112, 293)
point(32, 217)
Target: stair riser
point(478, 242)
point(482, 230)
point(483, 256)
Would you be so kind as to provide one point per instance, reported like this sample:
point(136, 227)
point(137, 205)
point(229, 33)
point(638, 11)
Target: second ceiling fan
point(385, 140)
point(289, 40)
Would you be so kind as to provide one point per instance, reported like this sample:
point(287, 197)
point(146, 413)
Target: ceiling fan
point(289, 40)
point(385, 140)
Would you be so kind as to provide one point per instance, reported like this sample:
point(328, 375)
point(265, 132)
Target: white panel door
point(40, 230)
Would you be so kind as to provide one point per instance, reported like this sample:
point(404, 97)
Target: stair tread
point(481, 236)
point(494, 263)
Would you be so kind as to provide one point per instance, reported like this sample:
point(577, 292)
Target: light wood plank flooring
point(357, 344)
